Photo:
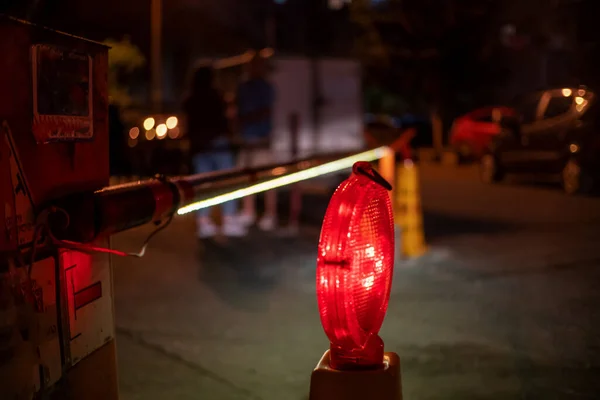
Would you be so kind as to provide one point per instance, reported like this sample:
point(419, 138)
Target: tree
point(124, 59)
point(433, 53)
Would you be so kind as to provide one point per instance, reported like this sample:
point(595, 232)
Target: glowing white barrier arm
point(320, 170)
point(122, 207)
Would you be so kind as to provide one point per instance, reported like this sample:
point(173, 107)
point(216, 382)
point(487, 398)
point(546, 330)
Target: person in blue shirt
point(210, 146)
point(255, 100)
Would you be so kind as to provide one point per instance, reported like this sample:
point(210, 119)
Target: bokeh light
point(174, 133)
point(149, 123)
point(172, 122)
point(161, 131)
point(134, 132)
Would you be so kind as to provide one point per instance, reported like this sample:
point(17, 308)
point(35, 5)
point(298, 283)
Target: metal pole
point(313, 23)
point(271, 26)
point(156, 54)
point(438, 132)
point(295, 193)
point(316, 101)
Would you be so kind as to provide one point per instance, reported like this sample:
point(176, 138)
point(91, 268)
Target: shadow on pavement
point(472, 371)
point(237, 271)
point(438, 225)
point(556, 267)
point(244, 271)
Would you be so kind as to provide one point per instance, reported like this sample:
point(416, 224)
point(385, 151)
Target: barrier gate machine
point(56, 307)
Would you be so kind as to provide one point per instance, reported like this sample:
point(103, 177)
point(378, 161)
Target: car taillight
point(354, 269)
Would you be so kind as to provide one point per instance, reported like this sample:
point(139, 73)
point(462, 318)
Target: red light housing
point(354, 270)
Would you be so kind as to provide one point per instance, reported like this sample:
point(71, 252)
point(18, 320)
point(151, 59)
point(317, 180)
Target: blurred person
point(210, 146)
point(255, 99)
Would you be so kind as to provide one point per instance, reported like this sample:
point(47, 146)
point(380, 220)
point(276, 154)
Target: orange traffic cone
point(409, 216)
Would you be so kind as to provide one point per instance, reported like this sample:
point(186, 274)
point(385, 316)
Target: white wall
point(342, 113)
point(341, 128)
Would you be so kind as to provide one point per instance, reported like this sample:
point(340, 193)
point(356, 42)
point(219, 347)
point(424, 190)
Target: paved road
point(506, 305)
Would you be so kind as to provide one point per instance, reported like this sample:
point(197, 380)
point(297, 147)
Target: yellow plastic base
point(382, 384)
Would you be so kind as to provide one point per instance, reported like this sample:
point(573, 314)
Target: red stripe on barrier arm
point(186, 192)
point(164, 199)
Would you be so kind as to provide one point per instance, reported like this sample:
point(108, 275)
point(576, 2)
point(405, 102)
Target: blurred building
point(193, 29)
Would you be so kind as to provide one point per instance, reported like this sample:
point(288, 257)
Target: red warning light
point(354, 269)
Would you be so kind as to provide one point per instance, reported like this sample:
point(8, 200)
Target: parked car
point(472, 133)
point(555, 135)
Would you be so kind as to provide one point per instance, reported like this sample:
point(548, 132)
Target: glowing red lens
point(354, 271)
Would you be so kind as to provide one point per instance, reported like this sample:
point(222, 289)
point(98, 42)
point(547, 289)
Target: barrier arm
point(84, 217)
